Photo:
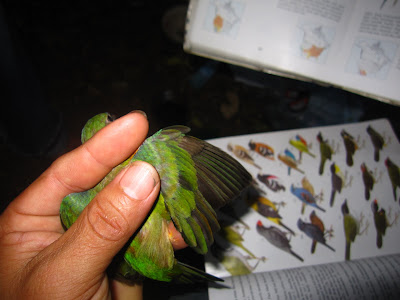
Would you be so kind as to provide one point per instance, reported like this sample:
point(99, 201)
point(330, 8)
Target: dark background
point(86, 57)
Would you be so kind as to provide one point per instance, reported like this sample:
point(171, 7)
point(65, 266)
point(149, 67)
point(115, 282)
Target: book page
point(373, 278)
point(337, 41)
point(320, 195)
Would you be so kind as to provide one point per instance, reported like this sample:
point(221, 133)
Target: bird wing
point(196, 178)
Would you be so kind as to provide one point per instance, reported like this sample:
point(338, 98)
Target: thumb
point(107, 223)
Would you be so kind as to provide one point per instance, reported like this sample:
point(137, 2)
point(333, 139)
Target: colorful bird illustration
point(325, 150)
point(315, 233)
point(288, 159)
point(351, 227)
point(263, 149)
point(305, 183)
point(338, 181)
point(233, 261)
point(368, 179)
point(272, 182)
point(381, 222)
point(301, 144)
point(196, 177)
point(242, 154)
point(277, 238)
point(305, 197)
point(270, 210)
point(350, 145)
point(394, 175)
point(377, 141)
point(233, 236)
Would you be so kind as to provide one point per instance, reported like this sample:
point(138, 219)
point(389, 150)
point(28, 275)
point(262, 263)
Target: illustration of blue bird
point(306, 197)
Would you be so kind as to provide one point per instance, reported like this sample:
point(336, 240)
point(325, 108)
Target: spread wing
point(196, 178)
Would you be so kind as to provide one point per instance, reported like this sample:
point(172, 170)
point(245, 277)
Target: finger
point(175, 237)
point(83, 167)
point(85, 251)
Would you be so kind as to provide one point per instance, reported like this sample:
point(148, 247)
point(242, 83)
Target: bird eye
point(110, 118)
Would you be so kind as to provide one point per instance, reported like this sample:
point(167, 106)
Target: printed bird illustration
point(338, 182)
point(381, 222)
point(368, 179)
point(235, 262)
point(350, 145)
point(196, 179)
point(233, 236)
point(351, 227)
point(272, 182)
point(325, 150)
point(263, 149)
point(306, 184)
point(288, 159)
point(377, 141)
point(313, 232)
point(305, 197)
point(301, 144)
point(242, 154)
point(270, 210)
point(277, 238)
point(394, 175)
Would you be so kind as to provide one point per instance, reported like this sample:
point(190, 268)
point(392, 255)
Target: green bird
point(377, 141)
point(326, 152)
point(196, 179)
point(351, 228)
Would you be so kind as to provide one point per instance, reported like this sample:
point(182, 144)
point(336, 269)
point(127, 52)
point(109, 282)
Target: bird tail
point(379, 240)
point(332, 197)
point(313, 246)
point(287, 228)
point(376, 154)
point(330, 247)
point(347, 251)
point(296, 255)
point(321, 166)
point(191, 274)
point(349, 159)
point(367, 193)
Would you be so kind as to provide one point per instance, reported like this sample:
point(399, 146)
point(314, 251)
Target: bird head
point(300, 224)
point(252, 145)
point(94, 124)
point(259, 224)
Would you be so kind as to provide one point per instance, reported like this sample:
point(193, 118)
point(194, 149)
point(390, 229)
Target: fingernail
point(138, 181)
point(140, 112)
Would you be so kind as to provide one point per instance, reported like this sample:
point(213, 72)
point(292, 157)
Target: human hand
point(39, 260)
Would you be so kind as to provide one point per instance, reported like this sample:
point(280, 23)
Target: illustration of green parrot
point(301, 144)
point(351, 227)
point(196, 179)
point(325, 150)
point(377, 141)
point(394, 175)
point(350, 145)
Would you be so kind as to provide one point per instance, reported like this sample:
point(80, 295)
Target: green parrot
point(351, 228)
point(196, 179)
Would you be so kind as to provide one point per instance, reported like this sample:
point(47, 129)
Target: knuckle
point(107, 220)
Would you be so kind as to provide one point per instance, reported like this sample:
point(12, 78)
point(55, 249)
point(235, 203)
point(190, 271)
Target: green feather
point(196, 179)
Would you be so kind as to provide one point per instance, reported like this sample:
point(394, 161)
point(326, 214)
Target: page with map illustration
point(352, 44)
point(320, 196)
